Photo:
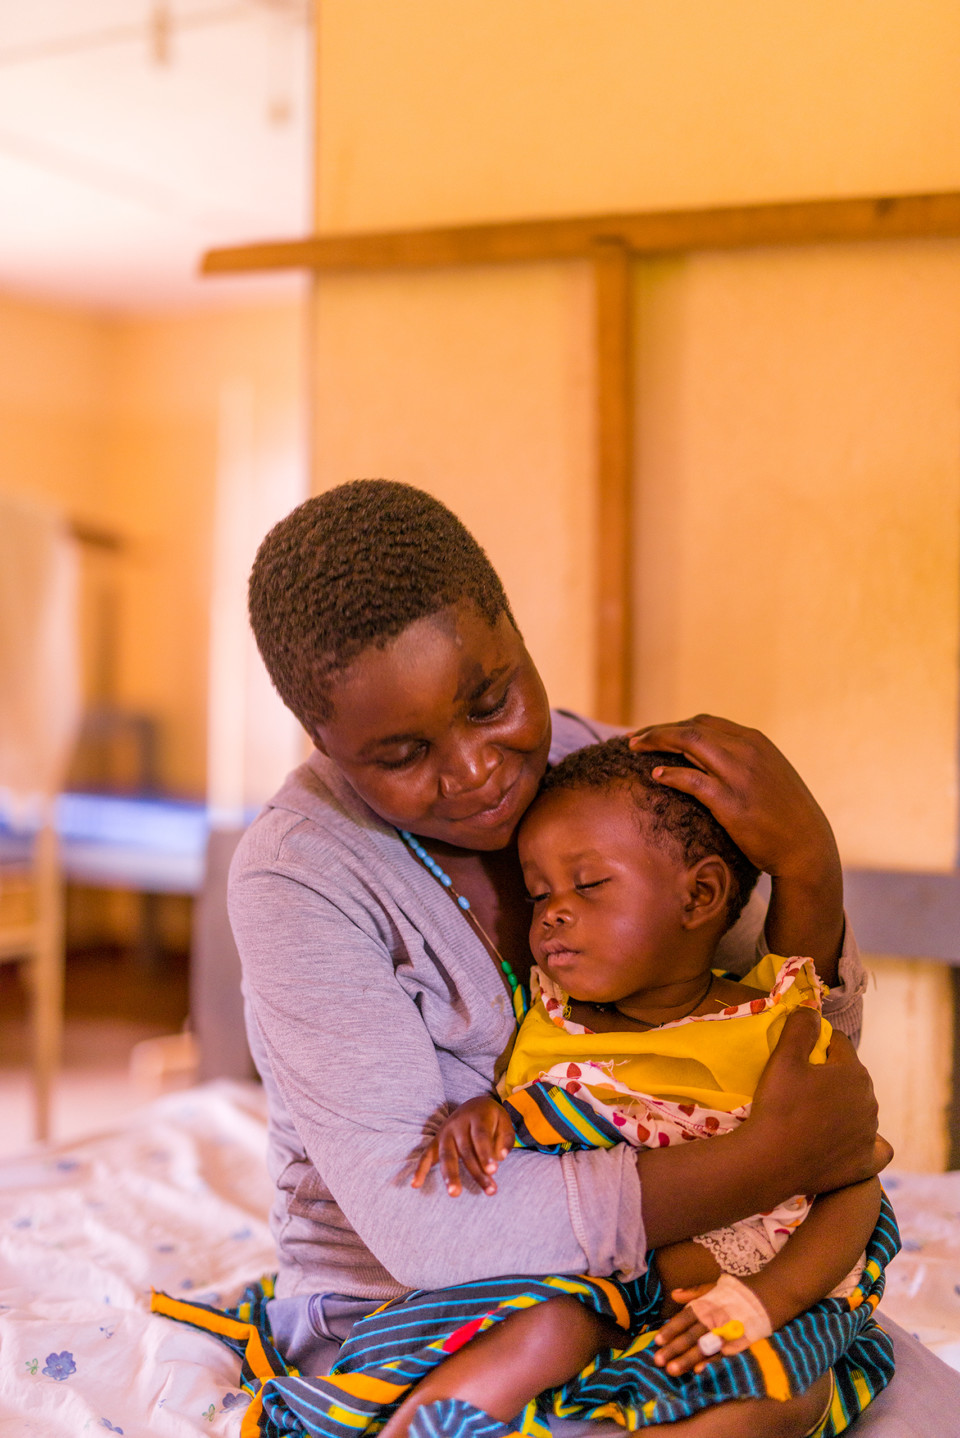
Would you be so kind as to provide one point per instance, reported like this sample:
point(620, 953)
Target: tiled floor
point(113, 1002)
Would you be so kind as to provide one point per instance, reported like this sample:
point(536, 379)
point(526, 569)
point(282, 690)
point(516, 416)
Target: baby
point(633, 1036)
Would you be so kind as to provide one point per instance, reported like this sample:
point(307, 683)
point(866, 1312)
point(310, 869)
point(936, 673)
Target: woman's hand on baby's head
point(478, 1135)
point(749, 787)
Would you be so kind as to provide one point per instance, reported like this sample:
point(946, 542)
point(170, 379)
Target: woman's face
point(445, 730)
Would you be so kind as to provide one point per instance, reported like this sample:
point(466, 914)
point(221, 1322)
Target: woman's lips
point(494, 813)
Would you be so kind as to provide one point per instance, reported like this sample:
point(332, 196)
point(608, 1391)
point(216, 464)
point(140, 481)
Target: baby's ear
point(708, 889)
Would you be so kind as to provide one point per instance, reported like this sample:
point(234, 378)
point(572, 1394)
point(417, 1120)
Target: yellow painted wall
point(54, 368)
point(167, 383)
point(116, 421)
point(906, 1045)
point(475, 386)
point(798, 525)
point(436, 111)
point(798, 471)
point(798, 411)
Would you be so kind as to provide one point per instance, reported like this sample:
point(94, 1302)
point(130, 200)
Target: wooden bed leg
point(953, 1108)
point(47, 962)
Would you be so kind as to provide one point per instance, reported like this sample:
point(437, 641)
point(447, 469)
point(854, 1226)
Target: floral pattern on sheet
point(236, 1400)
point(59, 1366)
point(177, 1192)
point(182, 1190)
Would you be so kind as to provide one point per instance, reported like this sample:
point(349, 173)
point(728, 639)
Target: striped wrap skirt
point(389, 1352)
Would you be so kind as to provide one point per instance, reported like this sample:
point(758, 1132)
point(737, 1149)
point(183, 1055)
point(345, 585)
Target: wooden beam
point(793, 223)
point(614, 468)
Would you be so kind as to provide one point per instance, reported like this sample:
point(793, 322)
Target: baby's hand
point(479, 1135)
point(677, 1340)
point(717, 1319)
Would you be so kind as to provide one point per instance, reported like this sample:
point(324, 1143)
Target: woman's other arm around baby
point(816, 1258)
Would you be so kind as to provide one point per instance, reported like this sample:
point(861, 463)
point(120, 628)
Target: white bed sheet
point(923, 1282)
point(176, 1198)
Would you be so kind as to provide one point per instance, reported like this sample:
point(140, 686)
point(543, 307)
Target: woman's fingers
point(686, 735)
point(749, 786)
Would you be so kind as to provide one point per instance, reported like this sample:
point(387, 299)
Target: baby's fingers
point(485, 1148)
point(681, 1353)
point(675, 1326)
point(425, 1163)
point(449, 1161)
point(491, 1144)
point(476, 1157)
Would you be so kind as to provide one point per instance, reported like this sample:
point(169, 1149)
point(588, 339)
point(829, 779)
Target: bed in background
point(176, 1198)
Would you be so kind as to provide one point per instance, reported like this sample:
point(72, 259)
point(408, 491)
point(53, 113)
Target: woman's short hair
point(353, 568)
point(670, 816)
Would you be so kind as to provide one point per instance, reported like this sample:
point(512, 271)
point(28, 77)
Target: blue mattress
point(112, 841)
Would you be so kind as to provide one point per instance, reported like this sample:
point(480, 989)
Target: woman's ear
point(708, 889)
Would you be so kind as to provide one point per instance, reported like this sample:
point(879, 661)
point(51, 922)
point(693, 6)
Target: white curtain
point(39, 666)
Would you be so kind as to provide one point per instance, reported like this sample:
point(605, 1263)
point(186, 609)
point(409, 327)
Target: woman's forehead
point(433, 667)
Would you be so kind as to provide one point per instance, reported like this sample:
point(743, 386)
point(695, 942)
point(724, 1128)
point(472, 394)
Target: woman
point(376, 999)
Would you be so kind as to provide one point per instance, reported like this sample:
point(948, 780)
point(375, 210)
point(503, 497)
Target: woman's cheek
point(407, 800)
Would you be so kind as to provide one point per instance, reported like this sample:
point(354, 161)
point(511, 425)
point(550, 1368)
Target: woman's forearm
point(805, 915)
point(691, 1188)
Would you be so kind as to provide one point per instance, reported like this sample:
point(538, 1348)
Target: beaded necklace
point(518, 994)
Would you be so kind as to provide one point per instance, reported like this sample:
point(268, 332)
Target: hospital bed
point(176, 1197)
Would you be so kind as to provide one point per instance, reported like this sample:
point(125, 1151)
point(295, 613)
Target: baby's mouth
point(556, 952)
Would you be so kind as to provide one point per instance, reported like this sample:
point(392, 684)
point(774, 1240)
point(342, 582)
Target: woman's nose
point(467, 768)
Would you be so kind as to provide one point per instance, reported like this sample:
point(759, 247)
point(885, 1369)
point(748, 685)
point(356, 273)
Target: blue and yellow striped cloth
point(391, 1349)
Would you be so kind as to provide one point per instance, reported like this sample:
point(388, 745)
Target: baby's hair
point(669, 813)
point(353, 568)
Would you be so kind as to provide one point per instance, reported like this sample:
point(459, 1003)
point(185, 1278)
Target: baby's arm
point(479, 1135)
point(815, 1259)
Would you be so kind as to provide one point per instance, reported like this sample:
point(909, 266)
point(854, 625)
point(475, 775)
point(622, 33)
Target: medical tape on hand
point(734, 1315)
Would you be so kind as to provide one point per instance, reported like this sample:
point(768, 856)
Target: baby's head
point(630, 879)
